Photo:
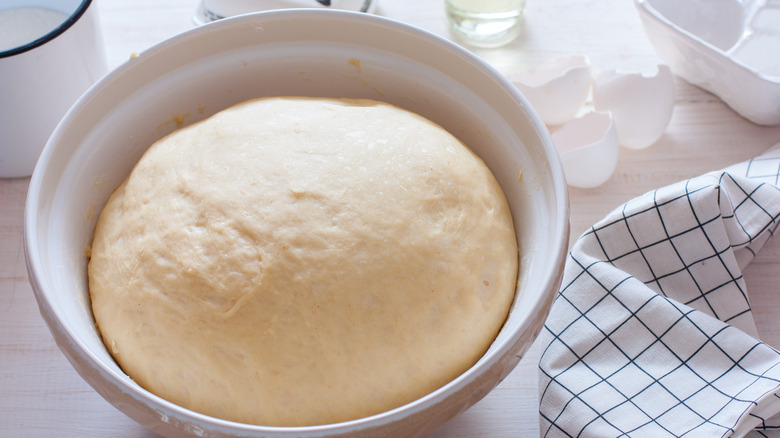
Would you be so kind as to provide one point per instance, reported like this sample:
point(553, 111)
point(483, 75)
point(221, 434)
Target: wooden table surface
point(42, 396)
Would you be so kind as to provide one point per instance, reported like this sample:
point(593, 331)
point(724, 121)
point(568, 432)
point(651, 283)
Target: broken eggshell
point(588, 147)
point(641, 105)
point(556, 89)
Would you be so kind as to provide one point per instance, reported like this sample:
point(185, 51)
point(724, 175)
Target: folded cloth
point(652, 333)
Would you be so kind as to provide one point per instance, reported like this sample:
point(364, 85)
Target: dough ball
point(302, 261)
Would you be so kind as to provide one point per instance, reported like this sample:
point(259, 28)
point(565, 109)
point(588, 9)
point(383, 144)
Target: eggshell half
point(588, 147)
point(556, 89)
point(641, 105)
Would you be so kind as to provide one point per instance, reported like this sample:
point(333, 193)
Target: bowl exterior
point(305, 53)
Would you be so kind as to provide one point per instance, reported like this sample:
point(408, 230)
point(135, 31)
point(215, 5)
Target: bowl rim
point(38, 278)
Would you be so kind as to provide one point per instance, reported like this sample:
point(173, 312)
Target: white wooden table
point(42, 396)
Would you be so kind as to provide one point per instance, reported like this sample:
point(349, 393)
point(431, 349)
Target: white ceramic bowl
point(727, 47)
point(310, 53)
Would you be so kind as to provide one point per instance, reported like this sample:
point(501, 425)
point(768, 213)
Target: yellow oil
point(485, 23)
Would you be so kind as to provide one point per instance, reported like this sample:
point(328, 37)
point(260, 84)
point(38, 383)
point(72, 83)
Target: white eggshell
point(588, 147)
point(641, 105)
point(556, 89)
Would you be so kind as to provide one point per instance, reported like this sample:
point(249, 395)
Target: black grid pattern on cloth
point(651, 333)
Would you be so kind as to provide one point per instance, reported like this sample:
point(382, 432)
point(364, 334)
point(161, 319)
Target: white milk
point(19, 26)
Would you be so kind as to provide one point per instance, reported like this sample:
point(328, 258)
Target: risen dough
point(295, 261)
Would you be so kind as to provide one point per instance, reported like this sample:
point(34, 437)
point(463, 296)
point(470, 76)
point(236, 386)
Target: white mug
point(41, 77)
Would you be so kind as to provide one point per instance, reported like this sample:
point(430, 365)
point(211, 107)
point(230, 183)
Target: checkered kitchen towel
point(652, 334)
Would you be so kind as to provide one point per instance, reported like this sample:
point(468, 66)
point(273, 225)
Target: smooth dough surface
point(301, 261)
